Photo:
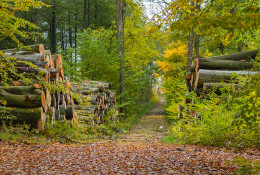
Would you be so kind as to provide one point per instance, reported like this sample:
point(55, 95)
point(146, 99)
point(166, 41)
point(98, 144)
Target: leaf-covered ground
point(139, 152)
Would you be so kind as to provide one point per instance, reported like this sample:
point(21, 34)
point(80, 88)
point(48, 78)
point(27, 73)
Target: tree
point(120, 7)
point(13, 27)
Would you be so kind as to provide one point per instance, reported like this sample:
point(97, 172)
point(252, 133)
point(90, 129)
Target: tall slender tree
point(120, 8)
point(53, 28)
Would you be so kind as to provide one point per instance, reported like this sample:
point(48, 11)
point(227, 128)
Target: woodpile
point(95, 101)
point(214, 74)
point(214, 71)
point(32, 102)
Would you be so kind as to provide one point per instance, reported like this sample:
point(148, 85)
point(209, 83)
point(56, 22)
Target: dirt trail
point(151, 127)
point(138, 152)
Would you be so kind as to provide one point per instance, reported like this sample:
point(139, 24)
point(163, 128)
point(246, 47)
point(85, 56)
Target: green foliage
point(99, 55)
point(12, 26)
point(218, 120)
point(58, 129)
point(245, 166)
point(223, 21)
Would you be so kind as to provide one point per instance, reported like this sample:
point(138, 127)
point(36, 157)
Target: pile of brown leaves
point(117, 158)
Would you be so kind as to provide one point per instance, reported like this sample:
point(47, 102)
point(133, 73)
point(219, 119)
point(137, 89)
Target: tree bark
point(88, 13)
point(20, 90)
point(38, 48)
point(224, 64)
point(221, 48)
point(217, 76)
point(53, 30)
point(121, 5)
point(24, 101)
point(218, 86)
point(33, 116)
point(236, 56)
point(37, 24)
point(84, 23)
point(70, 29)
point(197, 37)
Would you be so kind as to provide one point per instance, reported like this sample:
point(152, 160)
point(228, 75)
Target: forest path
point(138, 152)
point(151, 127)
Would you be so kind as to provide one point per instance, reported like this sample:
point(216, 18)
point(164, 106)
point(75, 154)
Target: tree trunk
point(240, 48)
point(37, 24)
point(26, 56)
point(53, 30)
point(207, 87)
point(217, 76)
point(197, 44)
point(121, 5)
point(62, 37)
point(197, 37)
point(88, 13)
point(248, 55)
point(20, 90)
point(24, 101)
point(75, 37)
point(33, 116)
point(190, 55)
point(31, 70)
point(221, 48)
point(70, 29)
point(38, 48)
point(84, 23)
point(211, 64)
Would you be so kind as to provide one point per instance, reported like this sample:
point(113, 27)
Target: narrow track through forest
point(138, 152)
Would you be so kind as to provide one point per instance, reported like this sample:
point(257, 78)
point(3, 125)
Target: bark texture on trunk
point(121, 5)
point(216, 76)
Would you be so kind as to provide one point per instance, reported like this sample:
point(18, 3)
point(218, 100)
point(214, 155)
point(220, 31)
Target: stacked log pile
point(216, 73)
point(31, 102)
point(213, 71)
point(99, 98)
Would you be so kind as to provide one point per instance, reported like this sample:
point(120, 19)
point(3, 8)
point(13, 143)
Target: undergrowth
point(230, 120)
point(67, 132)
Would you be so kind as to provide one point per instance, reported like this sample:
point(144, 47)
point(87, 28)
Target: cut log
point(205, 63)
point(92, 84)
point(62, 109)
point(32, 116)
point(21, 90)
point(35, 62)
point(88, 108)
point(23, 101)
point(19, 83)
point(59, 63)
point(69, 112)
point(216, 76)
point(52, 111)
point(30, 70)
point(54, 101)
point(248, 55)
point(26, 56)
point(42, 121)
point(48, 98)
point(207, 87)
point(48, 57)
point(57, 115)
point(84, 112)
point(39, 48)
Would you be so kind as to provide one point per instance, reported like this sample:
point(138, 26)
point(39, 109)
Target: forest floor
point(138, 152)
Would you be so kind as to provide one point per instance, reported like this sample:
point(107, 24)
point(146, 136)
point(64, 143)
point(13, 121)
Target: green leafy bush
point(228, 120)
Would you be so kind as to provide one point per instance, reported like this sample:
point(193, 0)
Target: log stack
point(218, 73)
point(94, 102)
point(214, 71)
point(32, 102)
